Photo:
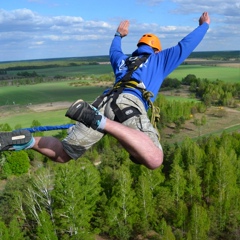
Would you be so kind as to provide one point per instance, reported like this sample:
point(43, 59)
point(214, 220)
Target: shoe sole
point(78, 109)
point(71, 113)
point(19, 137)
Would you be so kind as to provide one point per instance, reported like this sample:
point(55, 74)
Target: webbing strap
point(146, 95)
point(133, 64)
point(155, 110)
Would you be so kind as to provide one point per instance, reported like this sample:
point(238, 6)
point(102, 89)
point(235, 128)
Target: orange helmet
point(151, 40)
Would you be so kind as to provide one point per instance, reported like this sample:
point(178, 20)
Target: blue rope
point(48, 128)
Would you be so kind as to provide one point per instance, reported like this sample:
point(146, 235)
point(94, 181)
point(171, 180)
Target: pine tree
point(177, 179)
point(193, 189)
point(15, 230)
point(147, 203)
point(121, 209)
point(166, 231)
point(76, 192)
point(4, 234)
point(177, 182)
point(45, 230)
point(199, 223)
point(225, 187)
point(192, 154)
point(151, 197)
point(38, 195)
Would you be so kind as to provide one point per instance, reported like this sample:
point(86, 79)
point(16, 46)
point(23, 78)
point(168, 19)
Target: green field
point(46, 93)
point(69, 71)
point(15, 100)
point(228, 74)
point(212, 73)
point(25, 119)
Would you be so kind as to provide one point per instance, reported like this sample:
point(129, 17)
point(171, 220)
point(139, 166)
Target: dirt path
point(49, 106)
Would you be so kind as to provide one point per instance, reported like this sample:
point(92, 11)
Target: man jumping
point(122, 110)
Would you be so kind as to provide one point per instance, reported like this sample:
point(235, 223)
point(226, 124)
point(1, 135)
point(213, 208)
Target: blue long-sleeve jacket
point(159, 65)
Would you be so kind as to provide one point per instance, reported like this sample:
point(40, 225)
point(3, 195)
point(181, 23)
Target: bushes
point(18, 162)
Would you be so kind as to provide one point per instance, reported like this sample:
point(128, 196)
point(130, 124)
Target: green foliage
point(18, 162)
point(4, 234)
point(199, 223)
point(5, 128)
point(6, 171)
point(15, 230)
point(45, 230)
point(27, 74)
point(150, 195)
point(195, 195)
point(170, 83)
point(214, 92)
point(121, 210)
point(36, 123)
point(75, 194)
point(175, 111)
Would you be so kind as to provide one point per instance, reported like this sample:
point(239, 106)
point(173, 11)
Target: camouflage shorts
point(80, 138)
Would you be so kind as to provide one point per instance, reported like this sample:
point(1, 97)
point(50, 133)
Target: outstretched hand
point(204, 18)
point(123, 28)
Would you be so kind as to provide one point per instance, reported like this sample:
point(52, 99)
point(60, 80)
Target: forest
point(194, 195)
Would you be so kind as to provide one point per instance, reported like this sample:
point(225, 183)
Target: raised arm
point(115, 52)
point(176, 55)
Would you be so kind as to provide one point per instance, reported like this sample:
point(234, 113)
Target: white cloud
point(23, 29)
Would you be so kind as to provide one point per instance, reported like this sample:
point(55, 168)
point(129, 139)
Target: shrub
point(18, 162)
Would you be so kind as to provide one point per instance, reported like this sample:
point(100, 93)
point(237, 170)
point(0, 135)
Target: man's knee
point(153, 162)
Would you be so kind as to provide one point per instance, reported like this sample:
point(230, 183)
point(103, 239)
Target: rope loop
point(155, 110)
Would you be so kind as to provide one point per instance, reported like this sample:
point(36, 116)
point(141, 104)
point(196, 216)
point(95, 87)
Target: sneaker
point(85, 113)
point(8, 140)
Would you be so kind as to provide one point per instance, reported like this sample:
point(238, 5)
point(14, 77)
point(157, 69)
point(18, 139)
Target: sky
point(40, 29)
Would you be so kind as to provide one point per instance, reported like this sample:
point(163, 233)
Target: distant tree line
point(213, 92)
point(27, 74)
point(216, 92)
point(216, 55)
point(42, 66)
point(3, 72)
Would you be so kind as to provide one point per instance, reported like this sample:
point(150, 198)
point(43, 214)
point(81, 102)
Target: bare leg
point(138, 144)
point(52, 148)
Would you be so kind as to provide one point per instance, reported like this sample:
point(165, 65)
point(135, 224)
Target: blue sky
point(37, 29)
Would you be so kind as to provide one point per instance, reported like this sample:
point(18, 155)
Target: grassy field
point(19, 105)
point(212, 73)
point(228, 74)
point(46, 93)
point(205, 67)
point(70, 71)
point(24, 118)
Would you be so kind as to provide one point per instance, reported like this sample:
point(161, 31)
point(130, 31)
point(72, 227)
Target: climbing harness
point(127, 81)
